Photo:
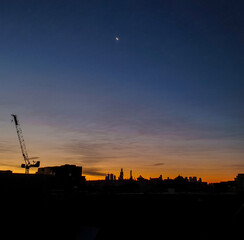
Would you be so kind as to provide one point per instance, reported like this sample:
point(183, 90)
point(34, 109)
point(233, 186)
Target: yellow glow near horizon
point(149, 157)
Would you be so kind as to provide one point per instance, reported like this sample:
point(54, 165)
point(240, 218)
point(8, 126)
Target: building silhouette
point(121, 175)
point(110, 177)
point(240, 182)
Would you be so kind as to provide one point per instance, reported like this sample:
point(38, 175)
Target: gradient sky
point(167, 98)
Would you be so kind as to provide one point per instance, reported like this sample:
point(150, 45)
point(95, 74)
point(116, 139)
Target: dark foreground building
point(63, 172)
point(240, 182)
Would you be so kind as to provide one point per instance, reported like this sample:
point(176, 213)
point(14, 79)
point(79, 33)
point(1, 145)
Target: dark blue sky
point(175, 76)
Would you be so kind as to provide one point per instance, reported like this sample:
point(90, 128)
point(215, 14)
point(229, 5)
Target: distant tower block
point(131, 175)
point(121, 176)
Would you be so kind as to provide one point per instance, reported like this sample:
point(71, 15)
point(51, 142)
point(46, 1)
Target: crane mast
point(27, 163)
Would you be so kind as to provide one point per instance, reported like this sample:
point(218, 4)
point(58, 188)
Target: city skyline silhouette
point(63, 205)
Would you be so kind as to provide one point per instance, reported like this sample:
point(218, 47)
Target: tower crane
point(27, 165)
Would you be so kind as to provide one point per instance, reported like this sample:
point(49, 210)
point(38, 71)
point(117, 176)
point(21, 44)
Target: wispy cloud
point(7, 147)
point(158, 164)
point(93, 172)
point(116, 130)
point(89, 152)
point(10, 165)
point(237, 165)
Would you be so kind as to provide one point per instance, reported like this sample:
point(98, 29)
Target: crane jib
point(15, 119)
point(27, 164)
